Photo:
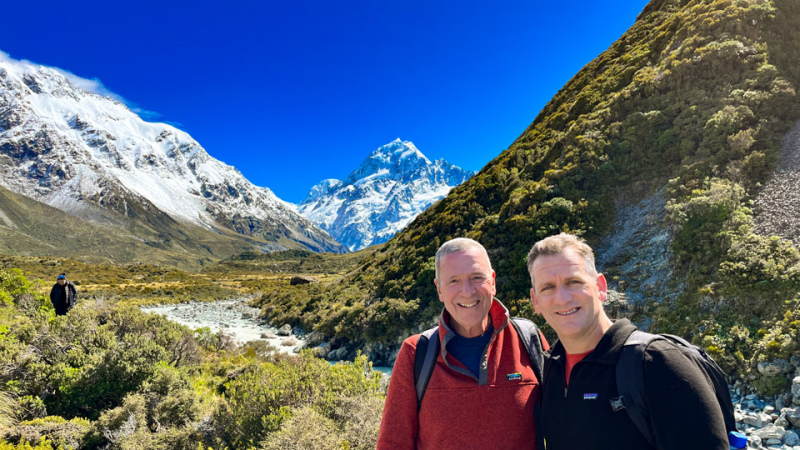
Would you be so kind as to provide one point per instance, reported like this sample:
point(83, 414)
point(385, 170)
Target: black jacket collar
point(607, 350)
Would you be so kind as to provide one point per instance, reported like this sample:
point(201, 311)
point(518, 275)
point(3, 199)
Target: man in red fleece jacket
point(482, 391)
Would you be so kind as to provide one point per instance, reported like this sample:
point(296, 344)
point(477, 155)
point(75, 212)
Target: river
point(235, 318)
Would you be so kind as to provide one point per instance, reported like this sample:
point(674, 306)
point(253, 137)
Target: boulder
point(796, 391)
point(770, 432)
point(285, 330)
point(773, 368)
point(320, 351)
point(314, 338)
point(302, 280)
point(289, 342)
point(791, 438)
point(793, 416)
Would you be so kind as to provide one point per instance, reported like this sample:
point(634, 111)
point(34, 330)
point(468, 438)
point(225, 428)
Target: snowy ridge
point(393, 185)
point(78, 151)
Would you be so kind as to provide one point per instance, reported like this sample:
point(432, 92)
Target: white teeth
point(469, 305)
point(566, 313)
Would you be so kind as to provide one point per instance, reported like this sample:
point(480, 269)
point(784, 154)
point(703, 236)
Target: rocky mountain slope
point(92, 157)
point(388, 190)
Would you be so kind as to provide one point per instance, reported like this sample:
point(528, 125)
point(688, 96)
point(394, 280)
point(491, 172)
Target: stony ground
point(777, 206)
point(232, 317)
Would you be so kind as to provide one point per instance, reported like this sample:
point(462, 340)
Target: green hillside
point(695, 100)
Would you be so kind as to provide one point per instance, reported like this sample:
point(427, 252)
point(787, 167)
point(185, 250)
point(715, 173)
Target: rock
point(753, 441)
point(285, 330)
point(289, 342)
point(302, 280)
point(782, 421)
point(315, 338)
point(768, 409)
point(297, 349)
point(320, 351)
point(795, 361)
point(791, 438)
point(770, 432)
point(750, 419)
point(796, 391)
point(772, 442)
point(338, 354)
point(773, 368)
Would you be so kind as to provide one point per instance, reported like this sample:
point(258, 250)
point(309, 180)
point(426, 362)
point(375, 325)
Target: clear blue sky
point(292, 92)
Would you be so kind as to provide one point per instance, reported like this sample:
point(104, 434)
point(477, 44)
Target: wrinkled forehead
point(568, 262)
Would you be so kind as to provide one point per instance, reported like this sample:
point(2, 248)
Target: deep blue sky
point(296, 91)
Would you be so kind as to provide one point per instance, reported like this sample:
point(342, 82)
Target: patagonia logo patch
point(516, 376)
point(590, 396)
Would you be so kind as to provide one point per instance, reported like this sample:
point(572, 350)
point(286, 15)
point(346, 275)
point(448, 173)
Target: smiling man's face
point(570, 298)
point(466, 287)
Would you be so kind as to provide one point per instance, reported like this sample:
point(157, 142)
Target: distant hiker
point(63, 295)
point(481, 385)
point(581, 405)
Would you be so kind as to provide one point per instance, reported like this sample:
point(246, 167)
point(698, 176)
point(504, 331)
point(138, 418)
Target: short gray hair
point(458, 245)
point(558, 244)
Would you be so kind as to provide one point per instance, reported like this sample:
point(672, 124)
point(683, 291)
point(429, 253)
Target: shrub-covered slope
point(690, 106)
point(110, 376)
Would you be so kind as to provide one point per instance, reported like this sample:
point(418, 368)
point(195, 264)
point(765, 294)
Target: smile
point(468, 305)
point(568, 313)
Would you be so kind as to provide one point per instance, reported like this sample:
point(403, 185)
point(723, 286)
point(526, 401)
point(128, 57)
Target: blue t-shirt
point(468, 351)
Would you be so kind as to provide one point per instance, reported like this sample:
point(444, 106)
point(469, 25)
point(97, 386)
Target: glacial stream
point(234, 318)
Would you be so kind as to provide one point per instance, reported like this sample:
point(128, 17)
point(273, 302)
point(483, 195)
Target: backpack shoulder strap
point(425, 360)
point(528, 333)
point(630, 382)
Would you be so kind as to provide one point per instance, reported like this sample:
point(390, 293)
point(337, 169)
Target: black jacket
point(681, 402)
point(63, 297)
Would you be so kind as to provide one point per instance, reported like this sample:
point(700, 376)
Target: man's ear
point(602, 287)
point(533, 300)
point(438, 291)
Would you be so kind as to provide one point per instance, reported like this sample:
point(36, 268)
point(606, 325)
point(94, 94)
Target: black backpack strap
point(630, 382)
point(425, 360)
point(528, 333)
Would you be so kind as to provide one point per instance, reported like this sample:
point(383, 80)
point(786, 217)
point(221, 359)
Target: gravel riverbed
point(234, 317)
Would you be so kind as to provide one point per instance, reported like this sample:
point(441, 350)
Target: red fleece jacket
point(460, 411)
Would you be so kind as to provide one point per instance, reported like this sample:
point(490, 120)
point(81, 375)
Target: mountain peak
point(392, 159)
point(394, 184)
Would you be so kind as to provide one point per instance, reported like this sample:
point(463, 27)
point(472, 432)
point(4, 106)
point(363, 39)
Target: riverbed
point(234, 318)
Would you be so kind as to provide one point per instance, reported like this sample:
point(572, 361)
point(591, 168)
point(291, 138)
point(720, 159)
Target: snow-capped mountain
point(94, 158)
point(387, 191)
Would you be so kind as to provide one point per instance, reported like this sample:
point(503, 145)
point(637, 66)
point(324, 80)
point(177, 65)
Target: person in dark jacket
point(63, 295)
point(579, 381)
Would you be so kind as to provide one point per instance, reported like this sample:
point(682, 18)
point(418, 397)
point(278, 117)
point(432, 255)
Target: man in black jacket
point(63, 295)
point(580, 400)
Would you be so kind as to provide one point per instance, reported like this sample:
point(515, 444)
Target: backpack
point(426, 355)
point(630, 379)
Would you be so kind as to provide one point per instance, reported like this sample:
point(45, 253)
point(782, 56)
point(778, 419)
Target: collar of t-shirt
point(572, 360)
point(468, 351)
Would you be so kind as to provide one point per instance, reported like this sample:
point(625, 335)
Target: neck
point(587, 342)
point(471, 332)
